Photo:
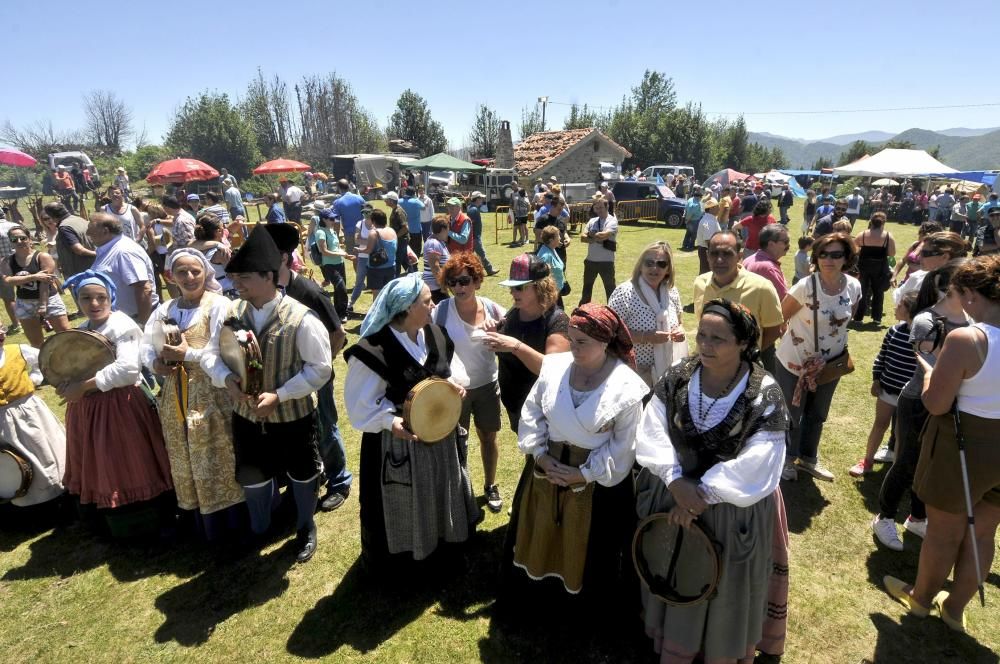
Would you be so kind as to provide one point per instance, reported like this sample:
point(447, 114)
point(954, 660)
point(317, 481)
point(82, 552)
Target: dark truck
point(670, 209)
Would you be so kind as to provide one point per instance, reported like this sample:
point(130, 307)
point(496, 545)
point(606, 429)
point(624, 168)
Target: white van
point(663, 170)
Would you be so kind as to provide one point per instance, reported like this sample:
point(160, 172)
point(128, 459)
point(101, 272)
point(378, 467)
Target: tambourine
point(241, 353)
point(16, 474)
point(657, 548)
point(165, 332)
point(432, 409)
point(74, 355)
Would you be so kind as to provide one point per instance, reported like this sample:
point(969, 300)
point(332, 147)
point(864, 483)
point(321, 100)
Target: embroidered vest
point(281, 357)
point(15, 383)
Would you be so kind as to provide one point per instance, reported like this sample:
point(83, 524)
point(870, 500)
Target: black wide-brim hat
point(259, 253)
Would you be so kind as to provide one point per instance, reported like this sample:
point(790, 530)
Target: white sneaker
point(885, 532)
point(789, 472)
point(885, 455)
point(918, 528)
point(816, 470)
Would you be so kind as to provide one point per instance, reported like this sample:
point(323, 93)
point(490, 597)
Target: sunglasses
point(930, 253)
point(650, 263)
point(18, 239)
point(840, 209)
point(459, 281)
point(835, 255)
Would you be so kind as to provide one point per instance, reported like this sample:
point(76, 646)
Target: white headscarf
point(211, 284)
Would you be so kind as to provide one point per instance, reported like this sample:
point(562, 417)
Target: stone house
point(572, 155)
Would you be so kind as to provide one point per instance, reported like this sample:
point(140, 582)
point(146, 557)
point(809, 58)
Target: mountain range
point(960, 147)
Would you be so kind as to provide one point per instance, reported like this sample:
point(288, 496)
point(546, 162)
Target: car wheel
point(674, 220)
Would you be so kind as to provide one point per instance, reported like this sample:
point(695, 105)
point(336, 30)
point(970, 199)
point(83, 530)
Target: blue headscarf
point(91, 278)
point(394, 299)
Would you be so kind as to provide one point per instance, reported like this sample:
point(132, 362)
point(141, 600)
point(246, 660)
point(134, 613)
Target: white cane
point(968, 502)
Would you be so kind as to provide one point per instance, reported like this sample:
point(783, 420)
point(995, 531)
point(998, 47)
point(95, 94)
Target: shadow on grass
point(21, 524)
point(803, 501)
point(869, 486)
point(193, 609)
point(364, 610)
point(925, 640)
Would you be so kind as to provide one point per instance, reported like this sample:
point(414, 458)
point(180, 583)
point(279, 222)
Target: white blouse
point(364, 390)
point(754, 473)
point(185, 318)
point(125, 335)
point(604, 422)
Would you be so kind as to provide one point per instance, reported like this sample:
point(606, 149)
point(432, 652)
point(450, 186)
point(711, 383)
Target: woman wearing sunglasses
point(935, 251)
point(829, 297)
point(465, 316)
point(532, 328)
point(32, 275)
point(650, 306)
point(937, 312)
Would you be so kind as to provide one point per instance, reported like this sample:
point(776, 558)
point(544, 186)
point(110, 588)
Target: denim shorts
point(25, 309)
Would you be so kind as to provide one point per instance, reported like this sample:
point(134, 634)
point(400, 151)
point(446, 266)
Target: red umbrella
point(280, 166)
point(12, 157)
point(181, 170)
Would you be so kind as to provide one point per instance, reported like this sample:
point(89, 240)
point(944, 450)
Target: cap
point(477, 194)
point(391, 196)
point(525, 269)
point(709, 202)
point(857, 189)
point(194, 197)
point(454, 201)
point(538, 179)
point(553, 178)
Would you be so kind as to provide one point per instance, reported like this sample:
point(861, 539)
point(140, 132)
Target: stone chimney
point(505, 147)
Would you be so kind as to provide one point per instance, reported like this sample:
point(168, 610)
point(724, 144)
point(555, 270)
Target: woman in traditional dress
point(196, 417)
point(573, 512)
point(650, 305)
point(115, 455)
point(27, 425)
point(414, 496)
point(711, 444)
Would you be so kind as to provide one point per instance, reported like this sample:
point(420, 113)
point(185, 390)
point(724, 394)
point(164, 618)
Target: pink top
point(763, 265)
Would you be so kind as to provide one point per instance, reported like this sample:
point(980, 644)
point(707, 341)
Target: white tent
point(894, 163)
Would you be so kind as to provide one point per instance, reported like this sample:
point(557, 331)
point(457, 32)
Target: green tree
point(639, 124)
point(857, 150)
point(412, 121)
point(333, 121)
point(821, 163)
point(736, 142)
point(267, 112)
point(584, 118)
point(531, 122)
point(210, 128)
point(485, 132)
point(778, 159)
point(899, 145)
point(141, 162)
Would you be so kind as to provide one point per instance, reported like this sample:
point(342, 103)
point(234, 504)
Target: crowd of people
point(619, 419)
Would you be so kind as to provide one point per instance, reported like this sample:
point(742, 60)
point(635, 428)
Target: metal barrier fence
point(647, 208)
point(502, 218)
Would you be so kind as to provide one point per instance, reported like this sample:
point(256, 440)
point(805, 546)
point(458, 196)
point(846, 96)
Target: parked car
point(663, 170)
point(671, 208)
point(610, 172)
point(577, 192)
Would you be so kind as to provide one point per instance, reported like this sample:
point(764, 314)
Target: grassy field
point(66, 595)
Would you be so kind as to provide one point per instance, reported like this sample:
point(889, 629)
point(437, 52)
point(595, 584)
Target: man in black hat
point(305, 290)
point(275, 431)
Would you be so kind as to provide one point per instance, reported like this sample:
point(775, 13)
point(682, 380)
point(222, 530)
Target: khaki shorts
point(483, 403)
point(938, 479)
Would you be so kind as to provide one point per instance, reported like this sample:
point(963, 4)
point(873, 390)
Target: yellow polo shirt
point(754, 292)
point(724, 205)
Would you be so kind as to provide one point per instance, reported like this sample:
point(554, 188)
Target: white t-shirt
point(595, 250)
point(292, 195)
point(363, 232)
point(854, 204)
point(707, 227)
point(480, 364)
point(835, 313)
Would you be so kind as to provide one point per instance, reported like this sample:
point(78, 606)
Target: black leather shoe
point(306, 540)
point(333, 500)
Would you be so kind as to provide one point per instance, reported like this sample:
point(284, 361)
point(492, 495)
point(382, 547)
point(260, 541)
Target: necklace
point(704, 412)
point(835, 291)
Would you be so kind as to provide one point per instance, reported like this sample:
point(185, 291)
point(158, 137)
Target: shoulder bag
point(378, 255)
point(835, 367)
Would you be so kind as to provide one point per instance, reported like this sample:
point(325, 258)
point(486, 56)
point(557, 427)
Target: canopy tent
point(894, 163)
point(442, 161)
point(983, 177)
point(726, 177)
point(779, 177)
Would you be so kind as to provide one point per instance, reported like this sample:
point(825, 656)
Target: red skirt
point(115, 453)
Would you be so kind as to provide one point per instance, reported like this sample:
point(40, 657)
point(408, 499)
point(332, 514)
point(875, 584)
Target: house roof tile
point(534, 152)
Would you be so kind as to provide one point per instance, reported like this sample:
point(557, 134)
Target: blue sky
point(731, 57)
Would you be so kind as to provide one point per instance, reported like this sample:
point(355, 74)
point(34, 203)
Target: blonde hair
point(548, 234)
point(658, 246)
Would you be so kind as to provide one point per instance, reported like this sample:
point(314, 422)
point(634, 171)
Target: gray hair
point(771, 233)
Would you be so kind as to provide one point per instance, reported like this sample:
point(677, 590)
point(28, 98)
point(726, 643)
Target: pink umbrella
point(12, 157)
point(181, 170)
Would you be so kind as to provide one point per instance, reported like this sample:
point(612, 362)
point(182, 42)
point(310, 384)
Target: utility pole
point(544, 102)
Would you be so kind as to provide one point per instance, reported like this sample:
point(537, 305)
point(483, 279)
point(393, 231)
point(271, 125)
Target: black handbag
point(610, 245)
point(378, 256)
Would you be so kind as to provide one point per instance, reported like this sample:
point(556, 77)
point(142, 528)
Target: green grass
point(66, 595)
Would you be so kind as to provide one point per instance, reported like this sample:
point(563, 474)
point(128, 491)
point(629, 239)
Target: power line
point(837, 110)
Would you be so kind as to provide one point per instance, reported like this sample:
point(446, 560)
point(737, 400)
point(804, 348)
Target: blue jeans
point(690, 232)
point(330, 443)
point(807, 418)
point(361, 270)
point(425, 229)
point(477, 245)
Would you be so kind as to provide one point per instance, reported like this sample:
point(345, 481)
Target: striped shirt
point(895, 363)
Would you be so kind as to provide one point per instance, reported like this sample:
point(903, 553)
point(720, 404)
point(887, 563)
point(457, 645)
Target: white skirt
point(30, 429)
